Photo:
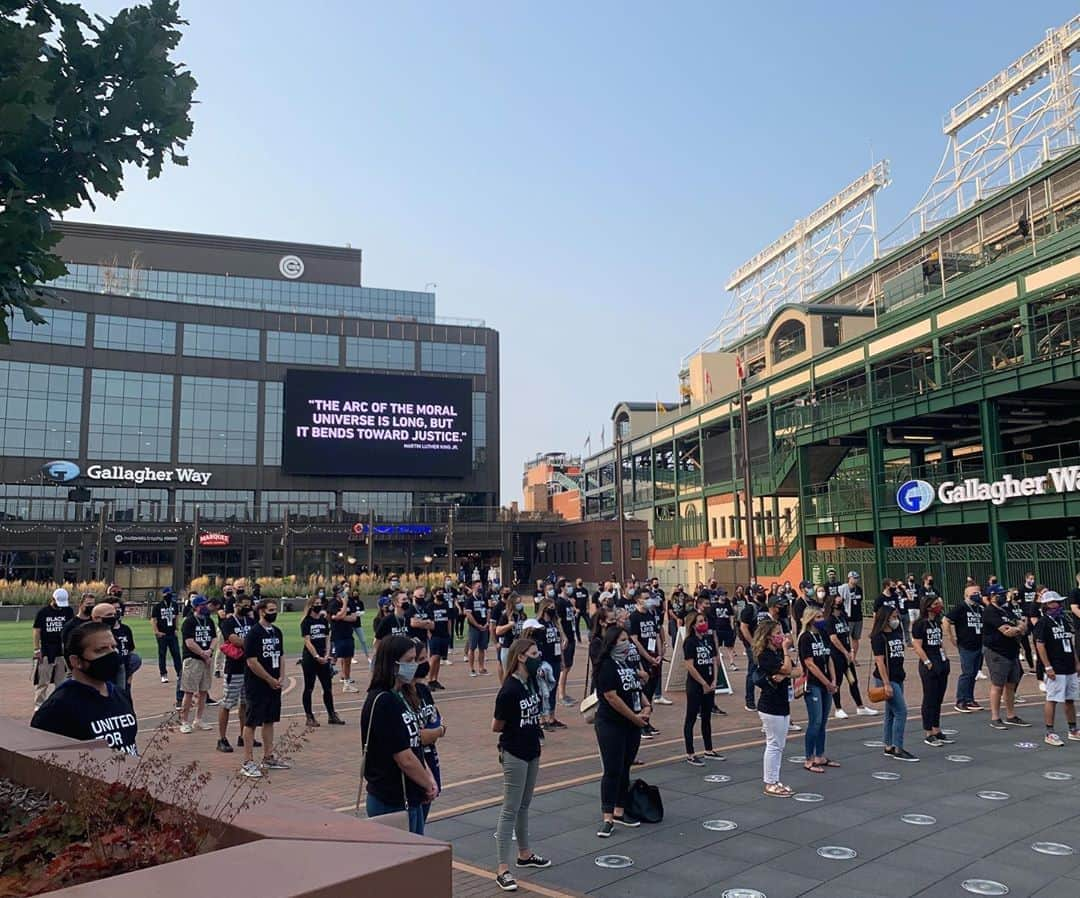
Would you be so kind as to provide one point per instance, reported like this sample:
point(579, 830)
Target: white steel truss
point(831, 243)
point(1022, 117)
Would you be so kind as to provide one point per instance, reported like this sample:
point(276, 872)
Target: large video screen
point(376, 424)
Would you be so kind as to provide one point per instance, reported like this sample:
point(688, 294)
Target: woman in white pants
point(774, 700)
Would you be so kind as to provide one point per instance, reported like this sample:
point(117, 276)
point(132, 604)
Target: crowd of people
point(798, 642)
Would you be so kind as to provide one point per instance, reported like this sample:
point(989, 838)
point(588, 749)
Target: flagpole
point(744, 426)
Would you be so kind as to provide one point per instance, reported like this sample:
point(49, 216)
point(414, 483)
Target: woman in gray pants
point(518, 707)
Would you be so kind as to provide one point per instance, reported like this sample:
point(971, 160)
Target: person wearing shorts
point(234, 631)
point(1002, 630)
point(441, 641)
point(199, 636)
point(343, 618)
point(1055, 641)
point(476, 614)
point(262, 689)
point(852, 594)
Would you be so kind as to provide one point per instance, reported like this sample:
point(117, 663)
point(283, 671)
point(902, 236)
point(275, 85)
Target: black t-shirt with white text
point(929, 631)
point(890, 645)
point(551, 643)
point(519, 706)
point(81, 712)
point(723, 612)
point(388, 726)
point(265, 645)
point(165, 614)
point(644, 626)
point(813, 645)
point(440, 614)
point(125, 640)
point(231, 626)
point(479, 607)
point(420, 612)
point(997, 616)
point(317, 629)
point(840, 627)
point(50, 621)
point(565, 611)
point(773, 698)
point(201, 629)
point(623, 681)
point(392, 625)
point(967, 621)
point(1058, 637)
point(702, 651)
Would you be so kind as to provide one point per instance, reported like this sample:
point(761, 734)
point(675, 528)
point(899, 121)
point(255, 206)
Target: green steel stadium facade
point(920, 415)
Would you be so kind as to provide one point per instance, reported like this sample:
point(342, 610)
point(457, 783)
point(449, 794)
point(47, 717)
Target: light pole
point(541, 548)
point(427, 565)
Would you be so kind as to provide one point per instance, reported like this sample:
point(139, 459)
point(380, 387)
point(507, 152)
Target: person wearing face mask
point(88, 706)
point(752, 614)
point(476, 616)
point(343, 647)
point(551, 649)
point(644, 633)
point(838, 634)
point(441, 642)
point(1003, 627)
point(964, 627)
point(566, 613)
point(887, 598)
point(1031, 610)
point(722, 614)
point(773, 670)
point(581, 606)
point(887, 644)
point(50, 668)
point(909, 594)
point(699, 656)
point(1055, 641)
point(315, 660)
point(263, 682)
point(234, 630)
point(125, 643)
point(418, 696)
point(622, 712)
point(394, 769)
point(518, 707)
point(508, 628)
point(83, 613)
point(929, 645)
point(852, 594)
point(200, 636)
point(163, 617)
point(816, 660)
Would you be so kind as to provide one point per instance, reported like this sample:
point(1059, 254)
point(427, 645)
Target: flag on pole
point(708, 383)
point(588, 443)
point(740, 372)
point(603, 438)
point(660, 407)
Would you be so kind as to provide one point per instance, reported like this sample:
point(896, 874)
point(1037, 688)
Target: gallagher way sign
point(916, 496)
point(66, 471)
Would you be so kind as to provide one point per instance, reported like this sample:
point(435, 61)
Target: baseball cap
point(1045, 598)
point(384, 601)
point(198, 601)
point(995, 589)
point(853, 575)
point(830, 570)
point(805, 584)
point(167, 591)
point(61, 597)
point(777, 601)
point(531, 624)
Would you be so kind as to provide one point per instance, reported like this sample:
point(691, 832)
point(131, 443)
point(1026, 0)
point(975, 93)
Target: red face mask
point(702, 627)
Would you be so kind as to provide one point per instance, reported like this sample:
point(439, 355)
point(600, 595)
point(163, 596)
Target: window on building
point(273, 412)
point(63, 327)
point(831, 333)
point(30, 502)
point(129, 504)
point(723, 528)
point(605, 551)
point(381, 355)
point(216, 505)
point(302, 349)
point(219, 420)
point(40, 409)
point(134, 334)
point(635, 549)
point(586, 549)
point(395, 507)
point(479, 428)
point(714, 530)
point(788, 341)
point(299, 504)
point(456, 358)
point(210, 341)
point(130, 416)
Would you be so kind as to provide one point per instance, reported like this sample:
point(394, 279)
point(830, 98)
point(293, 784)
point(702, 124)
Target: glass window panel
point(40, 409)
point(458, 358)
point(206, 340)
point(368, 352)
point(130, 416)
point(134, 334)
point(221, 426)
point(301, 349)
point(62, 327)
point(273, 412)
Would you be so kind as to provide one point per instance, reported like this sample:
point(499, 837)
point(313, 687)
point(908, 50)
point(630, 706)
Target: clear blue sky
point(583, 176)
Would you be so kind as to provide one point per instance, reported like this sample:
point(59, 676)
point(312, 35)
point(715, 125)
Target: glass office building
point(160, 374)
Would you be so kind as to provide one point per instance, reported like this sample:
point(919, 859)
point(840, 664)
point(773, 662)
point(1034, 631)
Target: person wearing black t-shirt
point(552, 642)
point(581, 606)
point(964, 627)
point(200, 637)
point(88, 705)
point(566, 612)
point(419, 697)
point(420, 623)
point(774, 668)
point(754, 612)
point(622, 712)
point(852, 594)
point(927, 640)
point(50, 668)
point(315, 660)
point(396, 623)
point(234, 630)
point(887, 645)
point(263, 683)
point(394, 771)
point(442, 641)
point(508, 628)
point(343, 620)
point(476, 617)
point(699, 656)
point(163, 617)
point(518, 708)
point(1026, 601)
point(644, 632)
point(1055, 641)
point(815, 656)
point(723, 621)
point(1003, 628)
point(838, 634)
point(888, 598)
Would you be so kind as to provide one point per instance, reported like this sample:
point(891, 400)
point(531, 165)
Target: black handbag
point(644, 802)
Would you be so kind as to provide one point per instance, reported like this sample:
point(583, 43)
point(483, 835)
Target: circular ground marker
point(991, 795)
point(1025, 745)
point(874, 743)
point(720, 826)
point(808, 796)
point(959, 759)
point(1058, 776)
point(742, 893)
point(1053, 848)
point(984, 887)
point(797, 759)
point(837, 853)
point(718, 778)
point(918, 819)
point(614, 861)
point(950, 732)
point(886, 775)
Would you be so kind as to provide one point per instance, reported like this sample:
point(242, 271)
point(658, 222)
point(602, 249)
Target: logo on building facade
point(915, 496)
point(211, 540)
point(291, 267)
point(61, 471)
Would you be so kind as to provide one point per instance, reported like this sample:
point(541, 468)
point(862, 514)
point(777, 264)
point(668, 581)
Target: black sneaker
point(719, 711)
point(902, 754)
point(997, 725)
point(606, 829)
point(963, 708)
point(255, 744)
point(534, 860)
point(933, 741)
point(888, 752)
point(223, 745)
point(646, 733)
point(506, 882)
point(1016, 722)
point(713, 755)
point(626, 820)
point(945, 740)
point(211, 701)
point(695, 761)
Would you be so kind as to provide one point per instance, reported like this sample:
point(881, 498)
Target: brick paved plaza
point(773, 847)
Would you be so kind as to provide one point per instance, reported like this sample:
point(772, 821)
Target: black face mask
point(270, 616)
point(422, 670)
point(104, 668)
point(109, 622)
point(316, 610)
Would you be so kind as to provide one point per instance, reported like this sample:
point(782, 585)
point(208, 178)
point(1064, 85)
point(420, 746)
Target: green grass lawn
point(17, 641)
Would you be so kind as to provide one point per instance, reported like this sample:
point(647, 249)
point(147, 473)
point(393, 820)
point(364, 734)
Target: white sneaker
point(448, 662)
point(251, 769)
point(187, 728)
point(663, 701)
point(1042, 686)
point(980, 676)
point(164, 679)
point(841, 714)
point(867, 712)
point(200, 725)
point(350, 686)
point(794, 728)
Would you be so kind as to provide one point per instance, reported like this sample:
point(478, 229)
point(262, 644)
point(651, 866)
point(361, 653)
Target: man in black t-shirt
point(263, 682)
point(1055, 641)
point(234, 630)
point(83, 614)
point(581, 605)
point(753, 612)
point(395, 623)
point(964, 627)
point(88, 706)
point(200, 636)
point(50, 668)
point(342, 623)
point(163, 615)
point(440, 643)
point(420, 623)
point(1002, 630)
point(566, 612)
point(476, 616)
